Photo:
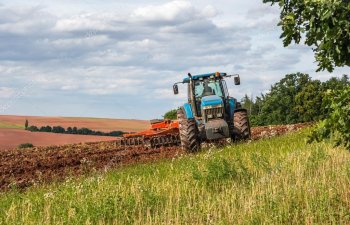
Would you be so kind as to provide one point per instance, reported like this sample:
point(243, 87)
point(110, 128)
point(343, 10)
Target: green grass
point(276, 181)
point(5, 125)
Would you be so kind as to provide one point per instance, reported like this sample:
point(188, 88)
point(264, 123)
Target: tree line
point(297, 98)
point(72, 130)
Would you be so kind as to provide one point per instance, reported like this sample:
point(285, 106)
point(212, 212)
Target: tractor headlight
point(210, 116)
point(219, 115)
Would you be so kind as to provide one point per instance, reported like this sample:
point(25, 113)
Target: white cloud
point(71, 43)
point(85, 22)
point(23, 21)
point(6, 92)
point(174, 11)
point(209, 11)
point(136, 53)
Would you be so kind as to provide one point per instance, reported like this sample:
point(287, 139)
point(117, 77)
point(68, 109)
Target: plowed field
point(100, 124)
point(11, 138)
point(23, 168)
point(271, 131)
point(12, 131)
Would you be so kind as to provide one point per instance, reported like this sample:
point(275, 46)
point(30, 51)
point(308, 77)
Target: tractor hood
point(212, 100)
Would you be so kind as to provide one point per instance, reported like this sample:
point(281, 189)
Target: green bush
point(33, 129)
point(58, 130)
point(337, 126)
point(45, 129)
point(26, 145)
point(171, 115)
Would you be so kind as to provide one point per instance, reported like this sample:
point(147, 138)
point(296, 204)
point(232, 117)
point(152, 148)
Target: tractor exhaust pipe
point(193, 100)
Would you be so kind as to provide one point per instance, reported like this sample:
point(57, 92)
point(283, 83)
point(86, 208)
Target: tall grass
point(276, 181)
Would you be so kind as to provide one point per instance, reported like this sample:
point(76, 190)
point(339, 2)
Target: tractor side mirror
point(176, 89)
point(237, 80)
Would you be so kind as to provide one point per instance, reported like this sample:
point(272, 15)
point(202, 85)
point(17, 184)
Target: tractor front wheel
point(241, 130)
point(188, 132)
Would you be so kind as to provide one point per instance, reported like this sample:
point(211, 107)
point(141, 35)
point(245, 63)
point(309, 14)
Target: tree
point(48, 129)
point(337, 83)
point(256, 109)
point(253, 109)
point(74, 130)
point(26, 124)
point(308, 102)
point(116, 133)
point(84, 131)
point(33, 129)
point(45, 129)
point(247, 103)
point(333, 84)
point(256, 117)
point(337, 125)
point(171, 115)
point(58, 129)
point(279, 104)
point(69, 130)
point(325, 24)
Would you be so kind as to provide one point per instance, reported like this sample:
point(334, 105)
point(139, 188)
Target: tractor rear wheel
point(241, 130)
point(188, 132)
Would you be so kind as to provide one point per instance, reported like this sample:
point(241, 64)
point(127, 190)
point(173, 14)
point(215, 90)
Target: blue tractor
point(210, 113)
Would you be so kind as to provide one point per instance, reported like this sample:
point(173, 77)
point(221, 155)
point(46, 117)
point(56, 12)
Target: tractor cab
point(208, 91)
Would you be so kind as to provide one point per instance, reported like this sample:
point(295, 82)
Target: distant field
point(11, 138)
point(101, 124)
point(12, 131)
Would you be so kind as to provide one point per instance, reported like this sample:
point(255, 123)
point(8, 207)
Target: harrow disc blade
point(152, 142)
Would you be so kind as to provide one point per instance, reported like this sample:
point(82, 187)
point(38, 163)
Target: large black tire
point(188, 132)
point(241, 130)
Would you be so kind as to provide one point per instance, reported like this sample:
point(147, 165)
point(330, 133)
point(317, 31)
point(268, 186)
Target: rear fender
point(232, 105)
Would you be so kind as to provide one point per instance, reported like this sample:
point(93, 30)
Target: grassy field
point(4, 125)
point(277, 181)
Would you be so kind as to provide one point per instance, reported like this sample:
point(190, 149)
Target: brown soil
point(271, 131)
point(11, 138)
point(23, 168)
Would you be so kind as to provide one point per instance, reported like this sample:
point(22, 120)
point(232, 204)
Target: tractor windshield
point(207, 87)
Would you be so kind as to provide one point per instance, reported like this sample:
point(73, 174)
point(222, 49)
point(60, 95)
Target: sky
point(119, 59)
